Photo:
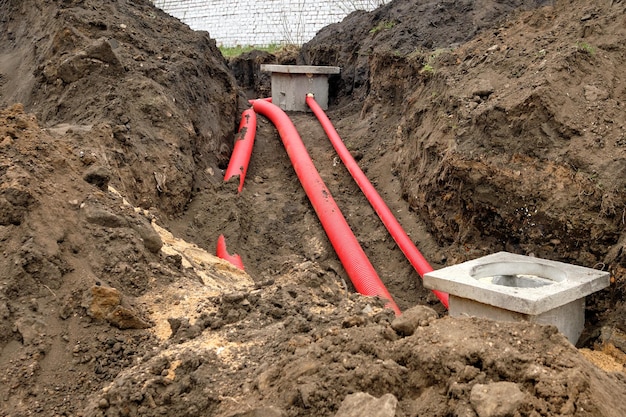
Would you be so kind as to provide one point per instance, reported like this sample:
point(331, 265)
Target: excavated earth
point(485, 125)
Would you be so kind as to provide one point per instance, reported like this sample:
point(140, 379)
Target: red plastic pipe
point(405, 243)
point(244, 141)
point(222, 253)
point(354, 260)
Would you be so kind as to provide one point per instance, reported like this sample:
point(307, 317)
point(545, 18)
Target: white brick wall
point(262, 22)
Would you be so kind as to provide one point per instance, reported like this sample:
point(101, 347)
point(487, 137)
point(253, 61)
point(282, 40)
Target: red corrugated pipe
point(357, 265)
point(244, 141)
point(389, 220)
point(222, 253)
point(238, 165)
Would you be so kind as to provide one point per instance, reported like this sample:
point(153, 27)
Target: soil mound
point(111, 201)
point(517, 137)
point(401, 28)
point(149, 81)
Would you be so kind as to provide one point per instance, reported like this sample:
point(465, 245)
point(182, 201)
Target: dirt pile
point(521, 142)
point(510, 141)
point(400, 28)
point(111, 201)
point(142, 76)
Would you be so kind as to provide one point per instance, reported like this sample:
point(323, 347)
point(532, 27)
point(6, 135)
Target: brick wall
point(262, 22)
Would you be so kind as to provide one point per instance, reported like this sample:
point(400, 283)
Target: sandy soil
point(486, 126)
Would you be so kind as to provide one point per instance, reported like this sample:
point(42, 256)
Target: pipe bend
point(222, 253)
point(353, 258)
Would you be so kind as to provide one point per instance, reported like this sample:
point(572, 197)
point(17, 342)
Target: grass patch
point(233, 51)
point(427, 69)
point(382, 25)
point(429, 65)
point(586, 48)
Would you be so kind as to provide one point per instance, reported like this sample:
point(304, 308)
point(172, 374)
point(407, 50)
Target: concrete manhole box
point(509, 287)
point(291, 84)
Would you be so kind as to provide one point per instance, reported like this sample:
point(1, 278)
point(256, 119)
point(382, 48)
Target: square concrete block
point(291, 84)
point(509, 287)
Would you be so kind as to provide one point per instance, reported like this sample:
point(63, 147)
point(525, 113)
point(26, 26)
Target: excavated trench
point(511, 139)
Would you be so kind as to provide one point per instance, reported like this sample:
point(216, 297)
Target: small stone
point(306, 392)
point(593, 93)
point(124, 318)
point(5, 312)
point(353, 321)
point(102, 217)
point(175, 324)
point(389, 334)
point(413, 318)
point(151, 239)
point(120, 133)
point(262, 412)
point(464, 410)
point(102, 50)
point(610, 335)
point(103, 403)
point(233, 297)
point(482, 88)
point(6, 142)
point(363, 404)
point(30, 328)
point(101, 301)
point(161, 180)
point(98, 176)
point(499, 399)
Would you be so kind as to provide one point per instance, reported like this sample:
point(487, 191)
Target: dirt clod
point(498, 399)
point(363, 404)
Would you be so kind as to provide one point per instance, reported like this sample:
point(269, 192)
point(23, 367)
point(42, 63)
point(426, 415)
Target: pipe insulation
point(244, 141)
point(350, 253)
point(405, 243)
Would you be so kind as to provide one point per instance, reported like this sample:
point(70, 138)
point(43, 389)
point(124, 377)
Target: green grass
point(233, 51)
point(585, 47)
point(382, 25)
point(429, 59)
point(427, 69)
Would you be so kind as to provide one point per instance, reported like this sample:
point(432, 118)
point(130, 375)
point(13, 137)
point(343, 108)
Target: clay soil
point(485, 126)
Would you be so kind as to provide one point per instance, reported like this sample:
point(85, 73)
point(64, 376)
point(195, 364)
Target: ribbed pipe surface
point(244, 142)
point(354, 260)
point(403, 241)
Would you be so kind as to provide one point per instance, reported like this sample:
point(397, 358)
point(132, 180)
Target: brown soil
point(486, 126)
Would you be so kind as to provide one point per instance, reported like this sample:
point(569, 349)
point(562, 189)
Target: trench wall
point(262, 22)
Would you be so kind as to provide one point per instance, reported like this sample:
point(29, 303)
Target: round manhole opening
point(518, 274)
